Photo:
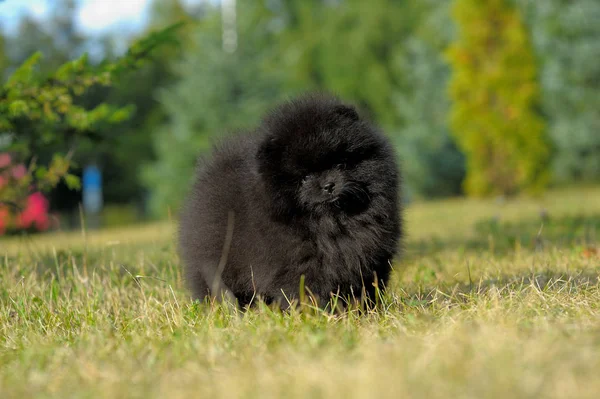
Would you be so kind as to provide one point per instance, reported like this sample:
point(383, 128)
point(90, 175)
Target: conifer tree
point(218, 93)
point(495, 94)
point(431, 163)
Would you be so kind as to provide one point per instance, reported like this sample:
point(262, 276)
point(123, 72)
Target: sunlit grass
point(490, 300)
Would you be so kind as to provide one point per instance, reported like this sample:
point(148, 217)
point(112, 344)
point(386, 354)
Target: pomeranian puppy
point(312, 194)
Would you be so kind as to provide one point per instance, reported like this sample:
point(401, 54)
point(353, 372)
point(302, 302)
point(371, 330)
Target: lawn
point(489, 300)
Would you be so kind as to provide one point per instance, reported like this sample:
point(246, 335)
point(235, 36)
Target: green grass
point(489, 300)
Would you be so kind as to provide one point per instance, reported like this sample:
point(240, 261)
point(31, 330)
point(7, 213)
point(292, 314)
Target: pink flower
point(19, 171)
point(4, 160)
point(36, 213)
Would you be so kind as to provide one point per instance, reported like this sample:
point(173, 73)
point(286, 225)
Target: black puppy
point(312, 191)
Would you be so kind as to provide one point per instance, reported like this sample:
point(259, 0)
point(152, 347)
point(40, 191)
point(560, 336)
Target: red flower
point(36, 213)
point(3, 219)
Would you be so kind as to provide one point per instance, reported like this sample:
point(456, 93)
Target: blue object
point(92, 189)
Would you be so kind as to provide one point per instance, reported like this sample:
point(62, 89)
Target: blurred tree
point(495, 93)
point(40, 111)
point(351, 48)
point(217, 92)
point(4, 60)
point(62, 28)
point(56, 38)
point(432, 164)
point(566, 35)
point(129, 146)
point(384, 56)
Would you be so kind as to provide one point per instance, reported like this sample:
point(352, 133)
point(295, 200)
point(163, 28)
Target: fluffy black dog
point(313, 191)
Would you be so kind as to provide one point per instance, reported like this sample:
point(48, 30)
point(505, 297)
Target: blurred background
point(495, 98)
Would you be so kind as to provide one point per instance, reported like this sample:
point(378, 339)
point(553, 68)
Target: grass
point(489, 300)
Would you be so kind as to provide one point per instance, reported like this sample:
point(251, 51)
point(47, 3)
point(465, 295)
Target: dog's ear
point(347, 111)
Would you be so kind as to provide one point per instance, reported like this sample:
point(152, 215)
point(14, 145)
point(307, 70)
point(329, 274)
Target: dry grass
point(478, 308)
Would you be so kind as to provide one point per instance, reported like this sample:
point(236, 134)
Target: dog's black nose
point(329, 187)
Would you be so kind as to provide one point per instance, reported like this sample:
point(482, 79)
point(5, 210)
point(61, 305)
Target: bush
point(40, 112)
point(34, 216)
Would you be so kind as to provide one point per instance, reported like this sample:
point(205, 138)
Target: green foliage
point(38, 110)
point(319, 45)
point(218, 92)
point(384, 56)
point(4, 61)
point(353, 48)
point(495, 94)
point(566, 35)
point(388, 57)
point(431, 163)
point(125, 148)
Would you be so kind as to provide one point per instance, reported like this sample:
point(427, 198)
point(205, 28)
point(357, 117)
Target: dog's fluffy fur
point(312, 191)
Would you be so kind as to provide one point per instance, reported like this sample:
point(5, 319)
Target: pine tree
point(431, 163)
point(218, 92)
point(495, 94)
